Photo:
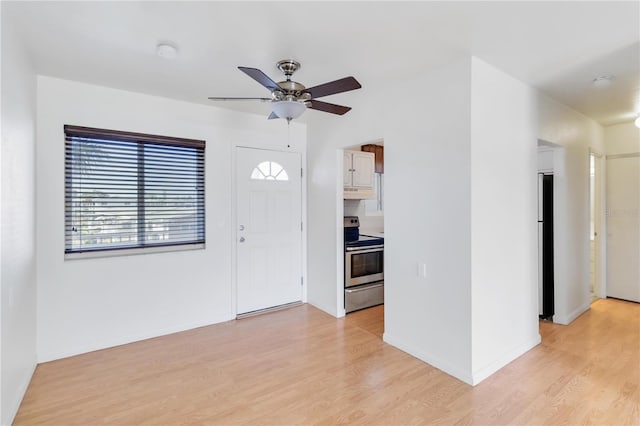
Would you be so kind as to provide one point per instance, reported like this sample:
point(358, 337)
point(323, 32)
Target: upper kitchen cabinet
point(359, 168)
point(378, 151)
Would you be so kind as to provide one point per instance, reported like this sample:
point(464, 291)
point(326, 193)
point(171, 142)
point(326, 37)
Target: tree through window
point(130, 190)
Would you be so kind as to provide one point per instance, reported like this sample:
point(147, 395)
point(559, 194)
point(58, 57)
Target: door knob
point(242, 239)
point(242, 227)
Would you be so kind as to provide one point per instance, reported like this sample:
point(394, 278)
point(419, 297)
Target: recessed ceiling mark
point(167, 51)
point(603, 81)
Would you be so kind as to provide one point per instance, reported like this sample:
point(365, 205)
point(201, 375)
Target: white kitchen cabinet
point(359, 168)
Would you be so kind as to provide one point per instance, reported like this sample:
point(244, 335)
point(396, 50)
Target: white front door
point(269, 229)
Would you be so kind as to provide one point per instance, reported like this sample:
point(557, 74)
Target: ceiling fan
point(289, 99)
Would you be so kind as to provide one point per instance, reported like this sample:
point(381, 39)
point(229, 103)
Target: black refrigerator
point(545, 247)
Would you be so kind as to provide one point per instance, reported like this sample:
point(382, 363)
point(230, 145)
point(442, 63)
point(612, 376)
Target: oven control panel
point(351, 222)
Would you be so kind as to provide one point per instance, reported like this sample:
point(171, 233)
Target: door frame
point(557, 169)
point(288, 148)
point(600, 286)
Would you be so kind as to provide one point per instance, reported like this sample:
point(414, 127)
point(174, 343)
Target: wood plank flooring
point(301, 366)
point(371, 320)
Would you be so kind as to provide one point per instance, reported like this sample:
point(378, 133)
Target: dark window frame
point(146, 157)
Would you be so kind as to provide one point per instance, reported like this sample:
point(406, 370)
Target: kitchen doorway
point(367, 212)
point(269, 229)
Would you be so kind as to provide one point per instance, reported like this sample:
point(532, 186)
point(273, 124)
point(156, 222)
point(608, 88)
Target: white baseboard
point(440, 364)
point(55, 353)
point(10, 414)
point(326, 309)
point(568, 319)
point(484, 372)
point(471, 378)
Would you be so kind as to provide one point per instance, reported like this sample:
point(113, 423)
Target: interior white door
point(623, 227)
point(269, 229)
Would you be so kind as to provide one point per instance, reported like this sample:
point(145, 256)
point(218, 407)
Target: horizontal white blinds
point(128, 190)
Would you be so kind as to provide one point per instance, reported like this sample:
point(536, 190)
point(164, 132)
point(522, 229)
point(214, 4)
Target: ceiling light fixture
point(288, 109)
point(166, 51)
point(603, 81)
point(290, 99)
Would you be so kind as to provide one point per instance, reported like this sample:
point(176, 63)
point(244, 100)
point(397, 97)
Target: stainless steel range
point(363, 267)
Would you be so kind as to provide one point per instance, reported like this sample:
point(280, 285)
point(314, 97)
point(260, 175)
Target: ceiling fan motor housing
point(288, 67)
point(291, 90)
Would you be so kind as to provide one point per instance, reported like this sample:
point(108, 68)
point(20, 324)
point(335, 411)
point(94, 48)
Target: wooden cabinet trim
point(378, 151)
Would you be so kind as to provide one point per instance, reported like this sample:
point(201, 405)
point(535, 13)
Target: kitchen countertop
point(372, 232)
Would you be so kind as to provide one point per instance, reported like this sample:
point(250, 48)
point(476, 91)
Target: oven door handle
point(365, 249)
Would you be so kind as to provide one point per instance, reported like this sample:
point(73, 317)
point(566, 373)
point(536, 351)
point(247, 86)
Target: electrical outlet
point(422, 270)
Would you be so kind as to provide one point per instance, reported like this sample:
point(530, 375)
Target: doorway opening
point(362, 204)
point(595, 224)
point(546, 283)
point(549, 161)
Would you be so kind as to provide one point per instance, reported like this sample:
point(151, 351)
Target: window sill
point(132, 251)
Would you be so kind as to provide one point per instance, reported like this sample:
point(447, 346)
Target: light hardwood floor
point(301, 366)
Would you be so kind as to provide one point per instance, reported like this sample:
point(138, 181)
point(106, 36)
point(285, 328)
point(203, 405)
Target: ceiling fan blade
point(213, 98)
point(331, 88)
point(327, 107)
point(260, 77)
point(272, 116)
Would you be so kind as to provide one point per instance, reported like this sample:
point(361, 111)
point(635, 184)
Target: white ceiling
point(558, 47)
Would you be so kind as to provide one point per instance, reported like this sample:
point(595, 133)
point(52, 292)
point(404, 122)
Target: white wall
point(503, 219)
point(370, 223)
point(427, 219)
point(429, 179)
point(576, 134)
point(88, 304)
point(545, 159)
point(18, 276)
point(622, 139)
point(623, 210)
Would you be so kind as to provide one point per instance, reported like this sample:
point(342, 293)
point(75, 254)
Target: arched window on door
point(269, 170)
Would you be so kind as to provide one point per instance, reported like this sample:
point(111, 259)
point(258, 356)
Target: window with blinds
point(130, 191)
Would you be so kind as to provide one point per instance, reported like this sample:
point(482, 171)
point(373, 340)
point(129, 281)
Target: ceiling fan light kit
point(288, 109)
point(290, 99)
